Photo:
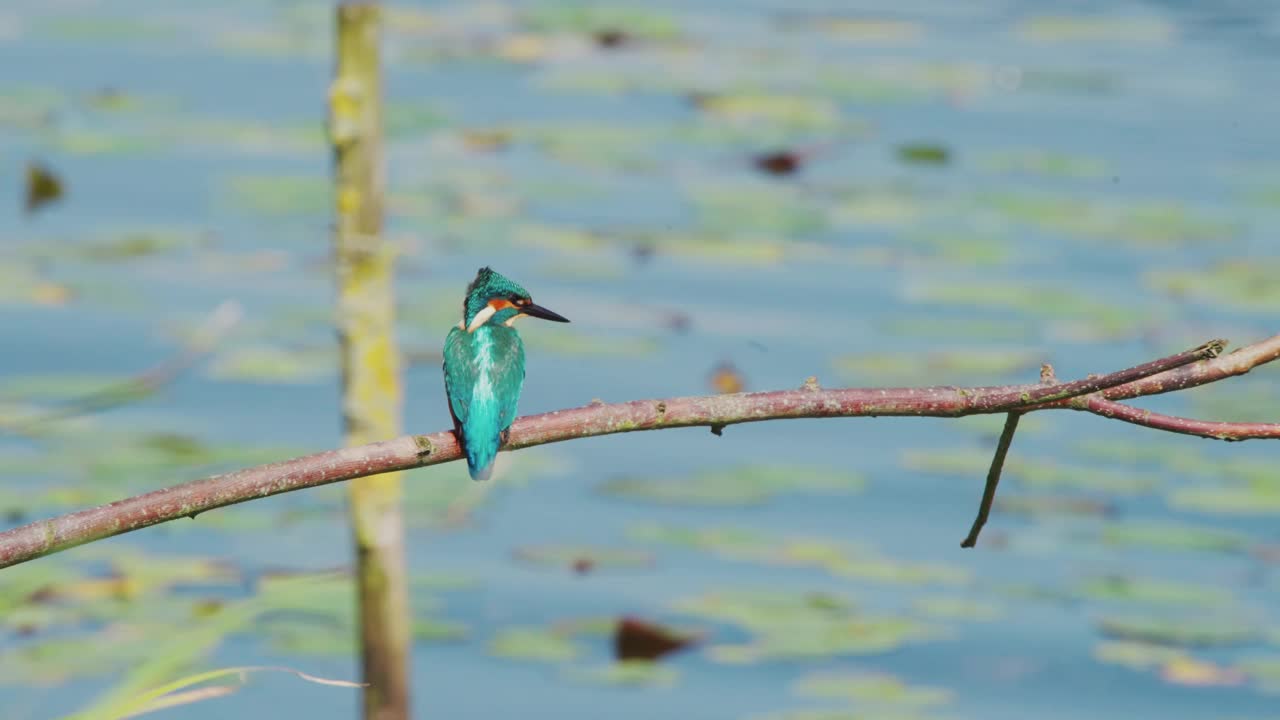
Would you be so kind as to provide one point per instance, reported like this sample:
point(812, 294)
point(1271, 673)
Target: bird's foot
point(505, 436)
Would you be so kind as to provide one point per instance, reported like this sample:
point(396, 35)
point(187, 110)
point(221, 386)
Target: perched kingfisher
point(484, 366)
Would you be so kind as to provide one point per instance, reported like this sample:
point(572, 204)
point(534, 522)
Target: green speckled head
point(487, 286)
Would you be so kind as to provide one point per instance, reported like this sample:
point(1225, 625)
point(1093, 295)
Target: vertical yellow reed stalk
point(372, 394)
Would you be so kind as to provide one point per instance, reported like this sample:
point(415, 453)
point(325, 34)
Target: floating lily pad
point(923, 154)
point(1152, 592)
point(1138, 222)
point(1264, 669)
point(1243, 283)
point(1045, 163)
point(1030, 473)
point(884, 691)
point(644, 640)
point(1228, 500)
point(840, 559)
point(877, 206)
point(795, 112)
point(1035, 505)
point(43, 187)
point(1136, 655)
point(1102, 28)
point(1173, 536)
point(580, 345)
point(281, 195)
point(747, 485)
point(761, 209)
point(1180, 631)
point(791, 626)
point(634, 148)
point(274, 364)
point(957, 608)
point(837, 714)
point(584, 559)
point(957, 366)
point(557, 16)
point(533, 643)
point(629, 673)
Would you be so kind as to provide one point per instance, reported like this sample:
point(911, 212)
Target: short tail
point(482, 472)
point(480, 457)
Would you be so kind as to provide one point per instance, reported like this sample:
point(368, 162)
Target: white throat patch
point(481, 318)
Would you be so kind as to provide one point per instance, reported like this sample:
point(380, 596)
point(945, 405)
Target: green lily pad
point(747, 485)
point(534, 644)
point(891, 206)
point(622, 147)
point(628, 673)
point(1141, 222)
point(1179, 631)
point(274, 364)
point(791, 626)
point(1228, 500)
point(1244, 284)
point(1045, 163)
point(1036, 505)
point(1154, 592)
point(282, 195)
point(583, 558)
point(839, 559)
point(1136, 655)
point(954, 366)
point(923, 154)
point(838, 714)
point(1172, 536)
point(759, 208)
point(556, 16)
point(1094, 29)
point(104, 28)
point(433, 630)
point(582, 345)
point(876, 689)
point(104, 142)
point(795, 112)
point(1031, 473)
point(1265, 670)
point(957, 608)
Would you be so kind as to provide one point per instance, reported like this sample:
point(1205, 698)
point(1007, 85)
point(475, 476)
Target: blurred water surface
point(981, 187)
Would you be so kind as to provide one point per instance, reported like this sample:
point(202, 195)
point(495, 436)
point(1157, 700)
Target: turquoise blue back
point(483, 377)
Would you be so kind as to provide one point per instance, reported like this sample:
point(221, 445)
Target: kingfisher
point(484, 366)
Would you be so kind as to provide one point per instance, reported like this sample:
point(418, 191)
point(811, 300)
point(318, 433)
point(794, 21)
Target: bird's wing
point(457, 375)
point(483, 375)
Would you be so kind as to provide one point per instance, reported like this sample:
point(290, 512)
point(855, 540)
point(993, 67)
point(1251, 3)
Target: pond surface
point(978, 188)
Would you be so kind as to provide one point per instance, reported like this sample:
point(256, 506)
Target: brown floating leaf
point(612, 38)
point(635, 639)
point(43, 187)
point(727, 379)
point(779, 162)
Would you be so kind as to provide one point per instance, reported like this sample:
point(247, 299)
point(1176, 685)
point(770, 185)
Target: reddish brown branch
point(1194, 367)
point(1236, 362)
point(1228, 431)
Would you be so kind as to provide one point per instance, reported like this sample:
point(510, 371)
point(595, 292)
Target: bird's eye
point(520, 302)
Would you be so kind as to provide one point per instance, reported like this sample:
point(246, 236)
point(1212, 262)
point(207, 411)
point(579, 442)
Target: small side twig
point(993, 478)
point(1212, 429)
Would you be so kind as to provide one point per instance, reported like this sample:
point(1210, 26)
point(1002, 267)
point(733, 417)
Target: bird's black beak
point(540, 312)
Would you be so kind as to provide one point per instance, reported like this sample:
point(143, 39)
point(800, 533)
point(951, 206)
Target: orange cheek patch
point(499, 304)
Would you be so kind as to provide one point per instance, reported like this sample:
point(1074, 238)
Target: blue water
point(1173, 98)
